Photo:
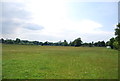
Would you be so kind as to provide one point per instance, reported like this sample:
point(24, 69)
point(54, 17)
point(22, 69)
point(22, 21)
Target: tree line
point(114, 43)
point(77, 42)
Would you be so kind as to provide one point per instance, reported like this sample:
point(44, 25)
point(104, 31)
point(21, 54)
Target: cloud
point(9, 27)
point(38, 20)
point(31, 26)
point(83, 26)
point(86, 29)
point(14, 10)
point(15, 17)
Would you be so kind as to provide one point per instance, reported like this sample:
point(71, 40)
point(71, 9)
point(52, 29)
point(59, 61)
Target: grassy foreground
point(57, 62)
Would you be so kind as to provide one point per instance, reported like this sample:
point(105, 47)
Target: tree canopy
point(117, 33)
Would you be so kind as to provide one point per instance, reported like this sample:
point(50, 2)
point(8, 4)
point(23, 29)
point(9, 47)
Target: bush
point(116, 45)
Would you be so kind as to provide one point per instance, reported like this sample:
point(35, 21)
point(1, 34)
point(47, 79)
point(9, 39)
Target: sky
point(55, 20)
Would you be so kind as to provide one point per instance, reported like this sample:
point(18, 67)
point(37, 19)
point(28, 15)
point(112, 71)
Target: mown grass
point(57, 62)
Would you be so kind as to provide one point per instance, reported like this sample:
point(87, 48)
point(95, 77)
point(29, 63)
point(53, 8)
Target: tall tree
point(115, 44)
point(77, 42)
point(65, 43)
point(102, 43)
point(46, 43)
point(17, 41)
point(2, 40)
point(117, 33)
point(90, 44)
point(112, 40)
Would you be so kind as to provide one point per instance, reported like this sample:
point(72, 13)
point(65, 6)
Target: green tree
point(17, 41)
point(35, 42)
point(46, 43)
point(107, 43)
point(71, 43)
point(2, 40)
point(77, 42)
point(103, 44)
point(65, 43)
point(60, 43)
point(99, 44)
point(117, 33)
point(96, 44)
point(85, 44)
point(111, 42)
point(90, 44)
point(9, 41)
point(115, 44)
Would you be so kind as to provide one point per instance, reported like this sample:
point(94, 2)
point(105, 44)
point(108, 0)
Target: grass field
point(57, 62)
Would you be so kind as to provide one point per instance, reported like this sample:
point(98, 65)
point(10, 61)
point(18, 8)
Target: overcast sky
point(55, 20)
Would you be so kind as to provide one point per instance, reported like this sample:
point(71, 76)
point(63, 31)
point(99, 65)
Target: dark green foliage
point(71, 43)
point(90, 44)
point(60, 43)
point(2, 40)
point(103, 44)
point(17, 41)
point(36, 42)
point(40, 43)
point(100, 44)
point(65, 43)
point(46, 43)
point(117, 33)
point(107, 43)
point(77, 42)
point(23, 42)
point(111, 42)
point(115, 44)
point(9, 41)
point(85, 44)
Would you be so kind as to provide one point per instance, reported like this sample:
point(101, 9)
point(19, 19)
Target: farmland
point(58, 62)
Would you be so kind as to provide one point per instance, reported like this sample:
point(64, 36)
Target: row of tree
point(77, 42)
point(114, 43)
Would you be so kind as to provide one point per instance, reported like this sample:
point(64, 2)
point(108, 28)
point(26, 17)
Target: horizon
point(59, 20)
point(55, 41)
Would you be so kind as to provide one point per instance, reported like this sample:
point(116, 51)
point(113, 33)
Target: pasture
point(58, 62)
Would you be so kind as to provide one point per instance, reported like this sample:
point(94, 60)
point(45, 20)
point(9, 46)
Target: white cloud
point(53, 16)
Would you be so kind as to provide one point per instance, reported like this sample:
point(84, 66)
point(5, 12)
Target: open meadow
point(58, 62)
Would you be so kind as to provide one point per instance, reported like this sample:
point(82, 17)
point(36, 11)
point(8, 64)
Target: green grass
point(57, 62)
